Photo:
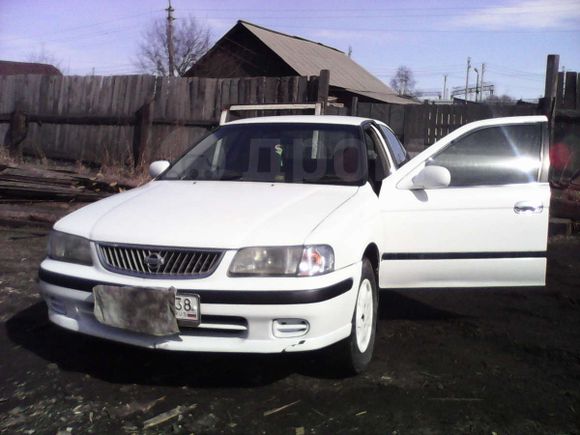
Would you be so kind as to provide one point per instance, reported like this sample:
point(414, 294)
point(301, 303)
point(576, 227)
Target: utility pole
point(481, 81)
point(467, 77)
point(169, 30)
point(445, 86)
point(476, 84)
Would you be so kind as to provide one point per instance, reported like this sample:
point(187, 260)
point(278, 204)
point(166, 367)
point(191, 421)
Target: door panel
point(465, 237)
point(476, 232)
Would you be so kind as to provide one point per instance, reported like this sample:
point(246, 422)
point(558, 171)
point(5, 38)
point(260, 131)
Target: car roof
point(304, 119)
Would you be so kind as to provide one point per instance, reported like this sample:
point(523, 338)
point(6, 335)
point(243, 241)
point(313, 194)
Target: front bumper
point(239, 319)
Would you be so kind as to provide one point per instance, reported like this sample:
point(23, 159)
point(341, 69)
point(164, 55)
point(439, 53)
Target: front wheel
point(356, 351)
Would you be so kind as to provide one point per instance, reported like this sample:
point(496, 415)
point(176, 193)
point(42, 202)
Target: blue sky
point(433, 38)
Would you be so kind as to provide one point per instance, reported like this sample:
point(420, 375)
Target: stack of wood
point(30, 194)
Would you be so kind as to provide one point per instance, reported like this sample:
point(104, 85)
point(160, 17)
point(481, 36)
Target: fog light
point(286, 328)
point(55, 305)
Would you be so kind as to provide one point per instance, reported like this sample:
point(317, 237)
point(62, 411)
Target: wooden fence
point(123, 118)
point(422, 125)
point(568, 91)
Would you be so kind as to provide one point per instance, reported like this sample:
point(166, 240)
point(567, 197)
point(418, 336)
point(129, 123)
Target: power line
point(540, 32)
point(550, 7)
point(70, 29)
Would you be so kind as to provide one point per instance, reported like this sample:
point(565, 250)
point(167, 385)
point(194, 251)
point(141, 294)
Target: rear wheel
point(356, 351)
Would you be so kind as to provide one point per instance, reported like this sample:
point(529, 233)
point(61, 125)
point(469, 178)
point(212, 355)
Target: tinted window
point(377, 163)
point(493, 156)
point(277, 152)
point(399, 153)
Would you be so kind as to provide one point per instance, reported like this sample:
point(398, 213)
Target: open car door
point(471, 210)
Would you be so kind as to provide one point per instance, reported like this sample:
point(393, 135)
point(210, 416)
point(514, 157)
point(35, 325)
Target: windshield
point(276, 152)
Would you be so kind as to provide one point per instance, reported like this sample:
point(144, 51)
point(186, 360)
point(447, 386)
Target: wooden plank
point(234, 95)
point(91, 84)
point(198, 102)
point(217, 105)
point(125, 120)
point(76, 94)
point(323, 86)
point(578, 92)
point(261, 97)
point(10, 95)
point(293, 89)
point(115, 96)
point(32, 91)
point(284, 91)
point(158, 108)
point(133, 96)
point(560, 90)
point(180, 97)
point(353, 106)
point(551, 86)
point(397, 119)
point(569, 100)
point(208, 111)
point(227, 92)
point(302, 89)
point(142, 132)
point(192, 95)
point(253, 95)
point(67, 94)
point(4, 92)
point(272, 85)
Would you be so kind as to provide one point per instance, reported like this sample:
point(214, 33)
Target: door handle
point(528, 207)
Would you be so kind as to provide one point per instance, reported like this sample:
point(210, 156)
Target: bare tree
point(403, 81)
point(190, 41)
point(500, 99)
point(44, 56)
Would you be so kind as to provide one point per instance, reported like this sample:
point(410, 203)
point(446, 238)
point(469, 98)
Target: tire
point(355, 352)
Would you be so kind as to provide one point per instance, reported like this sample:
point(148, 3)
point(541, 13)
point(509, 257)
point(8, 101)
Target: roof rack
point(317, 107)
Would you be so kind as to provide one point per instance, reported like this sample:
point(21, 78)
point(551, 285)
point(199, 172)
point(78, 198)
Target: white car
point(274, 234)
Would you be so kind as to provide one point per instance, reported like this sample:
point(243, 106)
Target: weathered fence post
point(16, 133)
point(570, 91)
point(550, 91)
point(353, 106)
point(142, 132)
point(323, 87)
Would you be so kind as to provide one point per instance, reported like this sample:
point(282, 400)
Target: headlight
point(69, 248)
point(283, 261)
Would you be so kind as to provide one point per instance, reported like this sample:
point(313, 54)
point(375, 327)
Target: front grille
point(159, 262)
point(217, 326)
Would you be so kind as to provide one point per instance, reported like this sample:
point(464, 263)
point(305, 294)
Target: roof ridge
point(290, 36)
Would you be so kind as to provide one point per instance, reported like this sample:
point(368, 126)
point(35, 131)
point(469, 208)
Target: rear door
point(488, 227)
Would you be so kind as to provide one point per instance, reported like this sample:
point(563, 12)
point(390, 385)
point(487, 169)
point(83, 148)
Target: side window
point(399, 153)
point(376, 153)
point(508, 154)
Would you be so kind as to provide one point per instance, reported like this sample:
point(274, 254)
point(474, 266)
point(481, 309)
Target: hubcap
point(364, 315)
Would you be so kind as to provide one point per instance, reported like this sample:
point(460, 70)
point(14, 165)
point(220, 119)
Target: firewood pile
point(30, 194)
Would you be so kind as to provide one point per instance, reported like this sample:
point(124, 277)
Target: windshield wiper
point(231, 175)
point(330, 179)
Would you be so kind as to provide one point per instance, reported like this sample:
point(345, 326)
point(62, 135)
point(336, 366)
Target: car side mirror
point(431, 177)
point(158, 167)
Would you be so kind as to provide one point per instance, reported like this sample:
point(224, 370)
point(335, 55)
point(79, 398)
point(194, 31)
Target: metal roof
point(308, 58)
point(13, 68)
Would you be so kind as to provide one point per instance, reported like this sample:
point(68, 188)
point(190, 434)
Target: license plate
point(187, 309)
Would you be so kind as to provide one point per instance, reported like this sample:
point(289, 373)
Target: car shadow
point(395, 306)
point(124, 364)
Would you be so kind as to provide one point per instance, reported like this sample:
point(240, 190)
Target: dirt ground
point(500, 361)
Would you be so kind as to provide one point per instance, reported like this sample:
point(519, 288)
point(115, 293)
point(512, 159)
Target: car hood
point(208, 214)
